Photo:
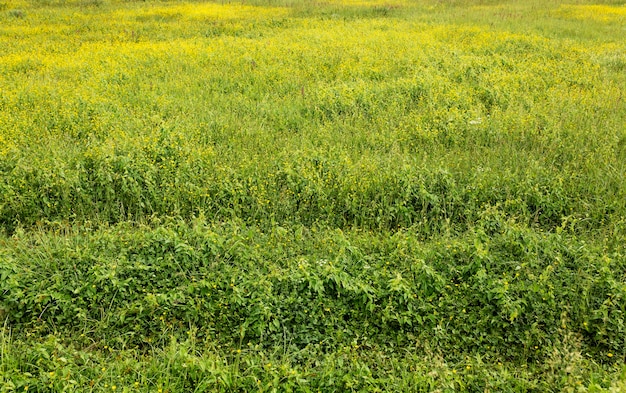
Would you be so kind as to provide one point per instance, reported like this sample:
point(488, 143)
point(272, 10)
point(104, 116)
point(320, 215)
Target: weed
point(301, 196)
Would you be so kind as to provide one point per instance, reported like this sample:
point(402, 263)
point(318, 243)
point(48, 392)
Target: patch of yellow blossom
point(598, 13)
point(97, 71)
point(15, 4)
point(5, 146)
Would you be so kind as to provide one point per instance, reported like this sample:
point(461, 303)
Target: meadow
point(312, 196)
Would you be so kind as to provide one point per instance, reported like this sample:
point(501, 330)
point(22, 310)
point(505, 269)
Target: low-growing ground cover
point(312, 196)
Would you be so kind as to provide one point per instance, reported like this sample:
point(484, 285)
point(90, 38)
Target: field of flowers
point(300, 195)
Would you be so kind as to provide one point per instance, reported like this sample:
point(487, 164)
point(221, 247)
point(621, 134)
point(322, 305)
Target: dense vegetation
point(288, 195)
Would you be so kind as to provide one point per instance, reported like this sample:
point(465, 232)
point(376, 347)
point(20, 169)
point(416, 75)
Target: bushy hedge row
point(508, 292)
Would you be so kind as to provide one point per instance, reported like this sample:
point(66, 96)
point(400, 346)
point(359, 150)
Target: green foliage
point(287, 195)
point(499, 293)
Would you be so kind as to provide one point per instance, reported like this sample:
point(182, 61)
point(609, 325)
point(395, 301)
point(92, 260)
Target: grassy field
point(304, 196)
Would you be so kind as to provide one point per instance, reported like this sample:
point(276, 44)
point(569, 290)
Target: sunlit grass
point(279, 194)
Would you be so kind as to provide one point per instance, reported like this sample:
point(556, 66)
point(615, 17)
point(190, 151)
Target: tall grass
point(303, 196)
